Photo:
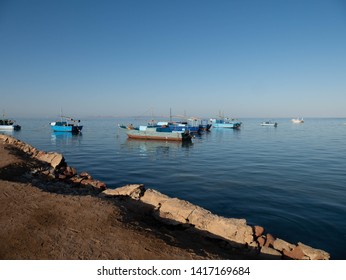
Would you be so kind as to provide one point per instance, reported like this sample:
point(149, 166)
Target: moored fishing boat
point(156, 133)
point(205, 125)
point(191, 125)
point(66, 124)
point(6, 124)
point(225, 123)
point(9, 125)
point(269, 123)
point(298, 120)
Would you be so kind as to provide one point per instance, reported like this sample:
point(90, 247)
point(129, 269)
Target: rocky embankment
point(251, 240)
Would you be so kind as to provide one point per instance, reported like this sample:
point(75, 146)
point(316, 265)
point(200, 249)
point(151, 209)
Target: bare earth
point(43, 219)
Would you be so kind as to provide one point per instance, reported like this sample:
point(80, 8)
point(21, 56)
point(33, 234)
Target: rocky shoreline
point(235, 235)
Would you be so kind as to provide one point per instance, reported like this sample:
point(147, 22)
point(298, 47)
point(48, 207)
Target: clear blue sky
point(199, 57)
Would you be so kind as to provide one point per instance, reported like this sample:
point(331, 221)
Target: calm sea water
point(290, 179)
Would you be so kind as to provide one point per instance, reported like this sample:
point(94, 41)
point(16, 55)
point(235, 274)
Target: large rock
point(70, 171)
point(134, 191)
point(281, 245)
point(295, 254)
point(54, 159)
point(269, 240)
point(95, 184)
point(235, 230)
point(154, 198)
point(270, 253)
point(258, 230)
point(176, 211)
point(313, 254)
point(85, 175)
point(29, 150)
point(261, 241)
point(200, 217)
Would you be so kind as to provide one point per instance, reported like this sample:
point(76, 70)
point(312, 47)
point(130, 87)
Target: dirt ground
point(50, 220)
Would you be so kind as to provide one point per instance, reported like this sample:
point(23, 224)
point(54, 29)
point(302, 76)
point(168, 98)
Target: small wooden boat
point(156, 133)
point(269, 123)
point(66, 124)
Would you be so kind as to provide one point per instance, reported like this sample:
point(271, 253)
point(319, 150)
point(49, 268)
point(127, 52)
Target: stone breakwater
point(54, 165)
point(252, 240)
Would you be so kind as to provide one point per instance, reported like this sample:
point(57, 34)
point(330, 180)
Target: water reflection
point(8, 132)
point(153, 147)
point(65, 138)
point(224, 134)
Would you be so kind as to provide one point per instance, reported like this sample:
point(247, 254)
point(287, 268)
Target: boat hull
point(205, 127)
point(269, 124)
point(155, 133)
point(151, 135)
point(227, 125)
point(297, 120)
point(66, 124)
point(10, 127)
point(181, 129)
point(69, 128)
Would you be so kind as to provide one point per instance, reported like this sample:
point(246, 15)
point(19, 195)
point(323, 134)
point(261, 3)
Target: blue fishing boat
point(67, 124)
point(185, 127)
point(191, 125)
point(225, 123)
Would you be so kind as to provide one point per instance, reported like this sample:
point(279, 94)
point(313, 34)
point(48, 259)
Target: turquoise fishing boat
point(225, 123)
point(67, 124)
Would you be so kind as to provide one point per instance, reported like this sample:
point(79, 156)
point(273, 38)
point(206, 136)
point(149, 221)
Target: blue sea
point(290, 179)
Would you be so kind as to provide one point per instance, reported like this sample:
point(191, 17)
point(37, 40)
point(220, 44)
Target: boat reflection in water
point(65, 138)
point(156, 147)
point(9, 132)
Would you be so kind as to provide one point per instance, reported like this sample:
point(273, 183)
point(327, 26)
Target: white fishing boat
point(269, 123)
point(6, 124)
point(165, 133)
point(298, 120)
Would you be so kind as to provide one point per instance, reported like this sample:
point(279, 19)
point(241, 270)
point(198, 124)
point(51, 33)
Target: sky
point(241, 58)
